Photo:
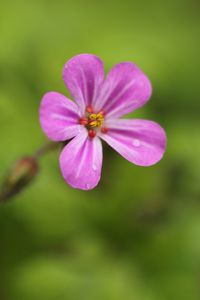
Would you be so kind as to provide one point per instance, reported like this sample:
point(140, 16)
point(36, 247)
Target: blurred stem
point(50, 146)
point(23, 172)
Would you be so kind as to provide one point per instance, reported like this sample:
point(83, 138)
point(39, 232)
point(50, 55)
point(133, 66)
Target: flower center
point(93, 121)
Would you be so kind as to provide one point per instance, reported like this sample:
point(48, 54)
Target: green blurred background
point(136, 236)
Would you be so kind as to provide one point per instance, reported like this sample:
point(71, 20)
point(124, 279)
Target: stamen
point(93, 123)
point(100, 116)
point(91, 133)
point(83, 121)
point(104, 129)
point(94, 116)
point(89, 109)
point(102, 112)
point(92, 120)
point(95, 120)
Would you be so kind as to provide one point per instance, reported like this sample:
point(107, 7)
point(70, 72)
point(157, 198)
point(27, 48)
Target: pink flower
point(96, 113)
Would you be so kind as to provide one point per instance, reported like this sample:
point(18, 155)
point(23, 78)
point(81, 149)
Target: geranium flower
point(96, 114)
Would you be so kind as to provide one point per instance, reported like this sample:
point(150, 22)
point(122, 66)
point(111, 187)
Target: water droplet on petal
point(94, 167)
point(136, 143)
point(87, 186)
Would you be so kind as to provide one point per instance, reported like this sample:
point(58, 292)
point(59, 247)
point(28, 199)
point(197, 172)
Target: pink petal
point(81, 161)
point(59, 117)
point(83, 75)
point(141, 142)
point(125, 89)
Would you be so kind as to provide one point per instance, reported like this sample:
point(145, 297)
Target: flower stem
point(50, 146)
point(23, 171)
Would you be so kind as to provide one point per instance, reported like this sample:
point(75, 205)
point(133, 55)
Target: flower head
point(96, 114)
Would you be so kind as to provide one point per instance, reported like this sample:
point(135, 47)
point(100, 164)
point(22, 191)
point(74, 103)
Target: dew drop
point(94, 167)
point(87, 186)
point(136, 143)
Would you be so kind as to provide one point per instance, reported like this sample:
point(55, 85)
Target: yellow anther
point(95, 120)
point(93, 116)
point(100, 116)
point(94, 124)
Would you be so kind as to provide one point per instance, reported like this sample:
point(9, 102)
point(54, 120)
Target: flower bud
point(19, 176)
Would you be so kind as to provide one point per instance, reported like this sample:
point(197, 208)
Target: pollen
point(95, 120)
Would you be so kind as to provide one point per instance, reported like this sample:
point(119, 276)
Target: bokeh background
point(136, 236)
